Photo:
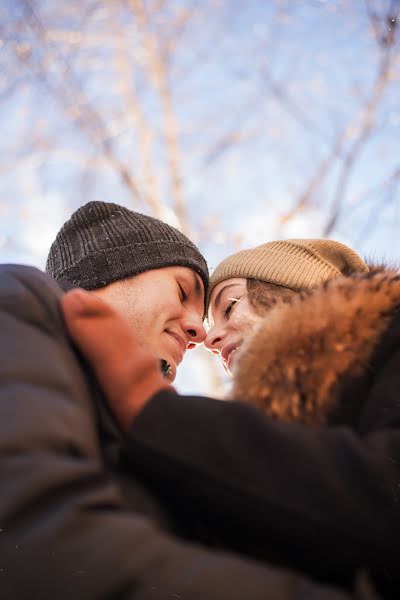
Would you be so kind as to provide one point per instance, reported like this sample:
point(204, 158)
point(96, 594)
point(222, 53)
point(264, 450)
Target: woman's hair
point(263, 295)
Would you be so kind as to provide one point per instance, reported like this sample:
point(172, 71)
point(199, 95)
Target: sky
point(260, 91)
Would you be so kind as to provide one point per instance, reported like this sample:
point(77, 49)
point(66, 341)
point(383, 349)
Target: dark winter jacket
point(74, 524)
point(316, 484)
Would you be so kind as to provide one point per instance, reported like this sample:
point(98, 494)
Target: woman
point(298, 321)
point(315, 346)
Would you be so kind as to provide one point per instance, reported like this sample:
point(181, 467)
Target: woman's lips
point(230, 359)
point(228, 353)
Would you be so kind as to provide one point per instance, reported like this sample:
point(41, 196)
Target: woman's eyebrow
point(218, 296)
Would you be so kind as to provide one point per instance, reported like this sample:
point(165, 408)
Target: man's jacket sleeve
point(323, 500)
point(64, 530)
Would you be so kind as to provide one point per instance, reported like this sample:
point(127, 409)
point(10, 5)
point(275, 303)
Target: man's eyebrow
point(218, 296)
point(197, 286)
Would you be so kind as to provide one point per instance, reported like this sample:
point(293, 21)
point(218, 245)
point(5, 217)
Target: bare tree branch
point(388, 188)
point(367, 121)
point(124, 69)
point(158, 67)
point(71, 97)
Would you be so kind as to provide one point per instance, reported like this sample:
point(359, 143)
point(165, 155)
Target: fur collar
point(295, 364)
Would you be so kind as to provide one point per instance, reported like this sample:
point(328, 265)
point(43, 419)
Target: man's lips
point(181, 343)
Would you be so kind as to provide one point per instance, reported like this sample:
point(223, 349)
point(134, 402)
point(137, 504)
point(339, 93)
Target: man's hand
point(128, 374)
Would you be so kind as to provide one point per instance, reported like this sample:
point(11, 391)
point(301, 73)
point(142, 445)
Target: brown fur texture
point(294, 365)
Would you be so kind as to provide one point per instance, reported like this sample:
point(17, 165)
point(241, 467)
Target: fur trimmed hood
point(305, 350)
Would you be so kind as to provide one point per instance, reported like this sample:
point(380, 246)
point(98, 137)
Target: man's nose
point(195, 331)
point(213, 341)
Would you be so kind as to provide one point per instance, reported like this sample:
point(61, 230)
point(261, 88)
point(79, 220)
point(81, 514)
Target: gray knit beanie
point(103, 242)
point(294, 264)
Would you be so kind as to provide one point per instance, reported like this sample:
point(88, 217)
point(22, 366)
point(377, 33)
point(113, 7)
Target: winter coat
point(74, 522)
point(311, 479)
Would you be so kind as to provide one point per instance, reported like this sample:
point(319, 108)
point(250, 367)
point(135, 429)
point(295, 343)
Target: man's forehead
point(189, 273)
point(195, 277)
point(198, 284)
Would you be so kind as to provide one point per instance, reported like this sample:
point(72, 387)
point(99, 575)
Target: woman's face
point(231, 317)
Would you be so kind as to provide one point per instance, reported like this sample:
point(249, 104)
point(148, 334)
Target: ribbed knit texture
point(295, 264)
point(103, 242)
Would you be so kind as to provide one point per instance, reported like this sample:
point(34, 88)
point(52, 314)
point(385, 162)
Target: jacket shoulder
point(28, 293)
point(14, 277)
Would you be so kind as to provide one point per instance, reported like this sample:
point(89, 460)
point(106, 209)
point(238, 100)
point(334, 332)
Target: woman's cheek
point(245, 323)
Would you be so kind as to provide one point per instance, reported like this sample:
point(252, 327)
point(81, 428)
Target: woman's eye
point(228, 309)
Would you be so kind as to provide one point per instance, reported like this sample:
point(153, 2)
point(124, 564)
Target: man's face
point(164, 308)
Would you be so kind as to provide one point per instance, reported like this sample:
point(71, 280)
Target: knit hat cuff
point(282, 269)
point(103, 267)
point(294, 264)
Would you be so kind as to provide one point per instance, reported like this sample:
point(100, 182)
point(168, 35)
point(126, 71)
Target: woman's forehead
point(233, 286)
point(233, 282)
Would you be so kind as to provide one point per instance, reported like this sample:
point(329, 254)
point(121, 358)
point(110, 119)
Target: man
point(76, 520)
point(102, 246)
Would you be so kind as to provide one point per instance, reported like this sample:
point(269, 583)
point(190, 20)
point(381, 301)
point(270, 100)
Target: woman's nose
point(213, 341)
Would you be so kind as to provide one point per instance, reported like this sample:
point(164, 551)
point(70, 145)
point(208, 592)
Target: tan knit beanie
point(295, 264)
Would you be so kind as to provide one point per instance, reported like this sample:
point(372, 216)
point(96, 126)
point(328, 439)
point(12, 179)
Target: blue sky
point(259, 94)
